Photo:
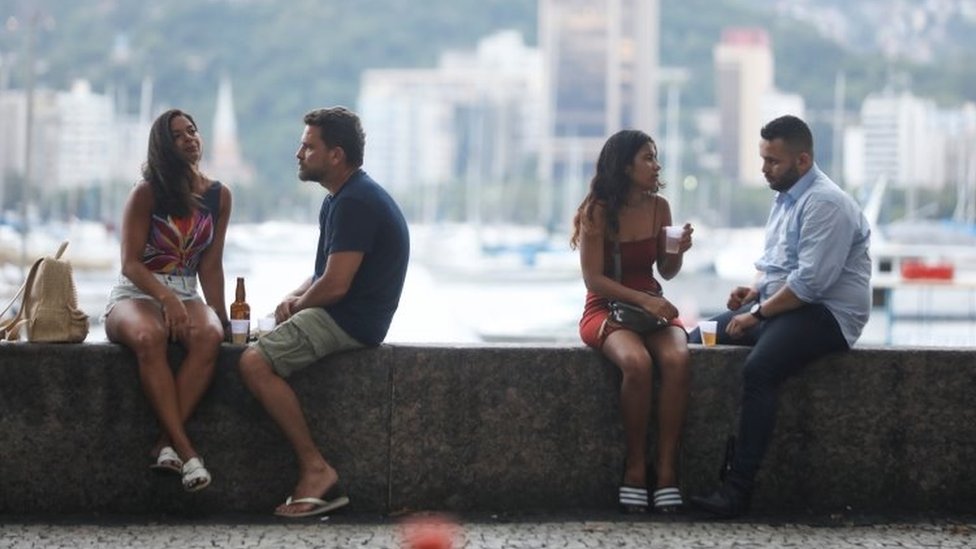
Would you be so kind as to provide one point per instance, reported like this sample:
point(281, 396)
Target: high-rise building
point(13, 115)
point(46, 140)
point(131, 136)
point(79, 140)
point(744, 77)
point(84, 138)
point(961, 165)
point(911, 144)
point(407, 115)
point(601, 67)
point(901, 141)
point(472, 119)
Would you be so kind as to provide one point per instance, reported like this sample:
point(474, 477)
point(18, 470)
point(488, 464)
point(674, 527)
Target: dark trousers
point(781, 347)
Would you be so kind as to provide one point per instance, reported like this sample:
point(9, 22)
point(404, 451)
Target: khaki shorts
point(304, 338)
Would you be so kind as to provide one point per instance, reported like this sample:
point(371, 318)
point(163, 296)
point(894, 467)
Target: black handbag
point(635, 317)
point(630, 316)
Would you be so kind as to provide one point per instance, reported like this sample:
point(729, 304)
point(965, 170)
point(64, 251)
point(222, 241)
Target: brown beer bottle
point(240, 315)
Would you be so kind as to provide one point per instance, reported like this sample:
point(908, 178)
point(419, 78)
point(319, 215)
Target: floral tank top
point(175, 244)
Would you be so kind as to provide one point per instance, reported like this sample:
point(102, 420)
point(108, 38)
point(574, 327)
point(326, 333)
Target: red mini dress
point(636, 265)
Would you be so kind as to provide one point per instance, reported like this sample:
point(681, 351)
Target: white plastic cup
point(239, 331)
point(672, 242)
point(709, 332)
point(265, 325)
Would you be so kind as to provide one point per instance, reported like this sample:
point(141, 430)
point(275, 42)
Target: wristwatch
point(756, 311)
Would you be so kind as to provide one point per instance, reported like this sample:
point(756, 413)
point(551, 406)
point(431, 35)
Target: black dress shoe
point(729, 501)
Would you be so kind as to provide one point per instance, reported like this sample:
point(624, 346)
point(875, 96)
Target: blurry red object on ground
point(429, 532)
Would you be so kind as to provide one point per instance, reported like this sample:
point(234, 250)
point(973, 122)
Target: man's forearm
point(301, 289)
point(782, 301)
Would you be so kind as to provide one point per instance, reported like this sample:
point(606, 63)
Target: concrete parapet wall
point(506, 428)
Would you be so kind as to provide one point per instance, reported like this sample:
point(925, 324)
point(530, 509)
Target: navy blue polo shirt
point(362, 217)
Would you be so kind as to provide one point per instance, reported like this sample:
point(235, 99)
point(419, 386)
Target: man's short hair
point(794, 132)
point(340, 127)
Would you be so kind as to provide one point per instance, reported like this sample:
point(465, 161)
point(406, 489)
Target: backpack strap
point(13, 299)
point(10, 330)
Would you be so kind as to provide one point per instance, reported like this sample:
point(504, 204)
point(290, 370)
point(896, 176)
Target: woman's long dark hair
point(169, 175)
point(611, 184)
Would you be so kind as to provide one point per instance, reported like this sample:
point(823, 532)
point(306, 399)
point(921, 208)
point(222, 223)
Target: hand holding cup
point(677, 238)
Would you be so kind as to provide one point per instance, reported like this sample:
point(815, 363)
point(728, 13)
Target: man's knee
point(769, 371)
point(253, 366)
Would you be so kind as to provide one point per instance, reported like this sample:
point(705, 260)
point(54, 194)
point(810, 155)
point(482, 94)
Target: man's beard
point(785, 181)
point(307, 174)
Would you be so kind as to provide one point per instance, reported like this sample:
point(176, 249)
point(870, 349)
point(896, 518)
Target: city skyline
point(519, 144)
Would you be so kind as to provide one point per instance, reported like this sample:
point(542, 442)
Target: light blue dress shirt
point(817, 244)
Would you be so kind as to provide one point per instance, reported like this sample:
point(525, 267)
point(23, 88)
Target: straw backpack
point(49, 309)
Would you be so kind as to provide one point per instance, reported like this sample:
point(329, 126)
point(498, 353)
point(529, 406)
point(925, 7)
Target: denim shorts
point(307, 336)
point(185, 288)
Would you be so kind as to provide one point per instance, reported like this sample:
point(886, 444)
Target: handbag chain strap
point(617, 269)
point(616, 260)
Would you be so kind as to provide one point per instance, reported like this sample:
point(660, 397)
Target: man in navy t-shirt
point(348, 302)
point(361, 217)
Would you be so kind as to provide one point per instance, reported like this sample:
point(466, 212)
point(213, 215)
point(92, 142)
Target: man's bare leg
point(315, 475)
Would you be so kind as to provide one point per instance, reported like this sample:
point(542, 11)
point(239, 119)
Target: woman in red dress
point(623, 207)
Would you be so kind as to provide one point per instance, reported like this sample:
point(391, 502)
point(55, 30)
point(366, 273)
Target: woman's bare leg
point(670, 349)
point(138, 324)
point(627, 351)
point(197, 369)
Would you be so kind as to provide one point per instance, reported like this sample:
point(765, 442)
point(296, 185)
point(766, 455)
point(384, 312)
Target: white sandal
point(167, 461)
point(195, 475)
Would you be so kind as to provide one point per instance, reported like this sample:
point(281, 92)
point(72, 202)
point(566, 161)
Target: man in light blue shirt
point(812, 295)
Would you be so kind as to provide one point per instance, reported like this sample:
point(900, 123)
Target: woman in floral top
point(173, 230)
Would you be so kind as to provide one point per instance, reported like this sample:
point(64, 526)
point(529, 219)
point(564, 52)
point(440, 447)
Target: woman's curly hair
point(611, 183)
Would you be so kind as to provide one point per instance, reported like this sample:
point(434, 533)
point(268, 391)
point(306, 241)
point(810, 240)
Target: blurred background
point(484, 119)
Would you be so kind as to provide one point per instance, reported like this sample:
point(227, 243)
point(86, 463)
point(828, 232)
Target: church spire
point(226, 162)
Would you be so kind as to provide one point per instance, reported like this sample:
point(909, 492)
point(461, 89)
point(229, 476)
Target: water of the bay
point(510, 302)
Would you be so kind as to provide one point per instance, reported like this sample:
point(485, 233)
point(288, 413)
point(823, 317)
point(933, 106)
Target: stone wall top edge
point(695, 348)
